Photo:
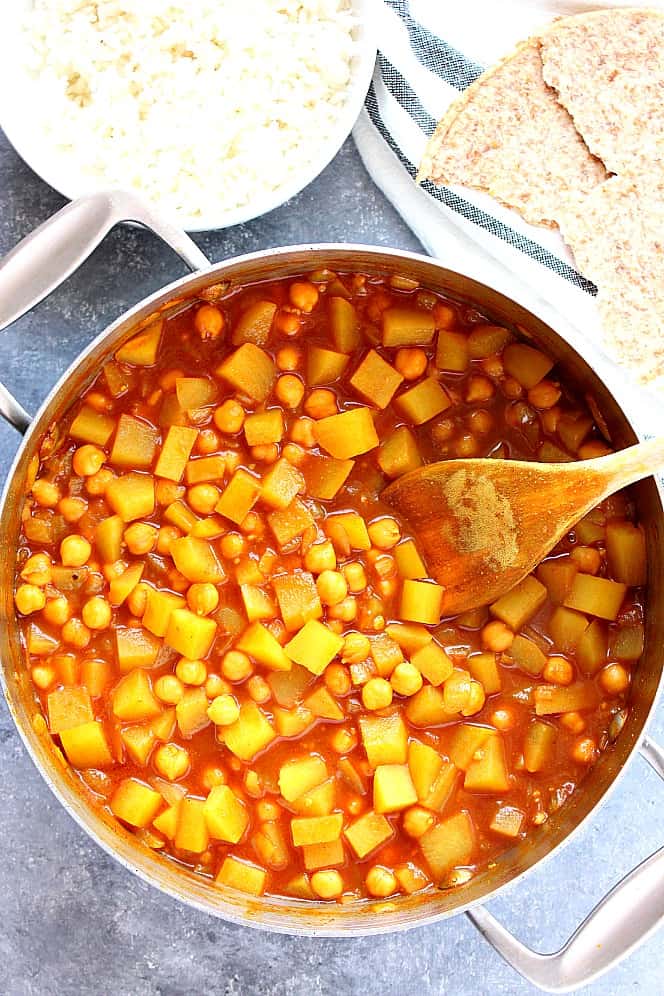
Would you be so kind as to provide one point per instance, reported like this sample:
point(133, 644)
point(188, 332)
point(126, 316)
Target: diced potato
point(180, 441)
point(170, 412)
point(96, 675)
point(508, 821)
point(250, 371)
point(270, 845)
point(410, 636)
point(411, 878)
point(259, 643)
point(409, 562)
point(467, 740)
point(551, 699)
point(294, 721)
point(538, 745)
point(325, 476)
point(488, 772)
point(298, 599)
point(385, 739)
point(425, 765)
point(257, 603)
point(160, 606)
point(393, 788)
point(138, 741)
point(40, 644)
point(135, 803)
point(243, 876)
point(452, 351)
point(255, 324)
point(131, 496)
point(566, 628)
point(344, 324)
point(486, 340)
point(427, 708)
point(591, 650)
point(449, 844)
point(289, 523)
point(91, 426)
point(626, 552)
point(349, 772)
point(433, 663)
point(239, 496)
point(322, 704)
point(592, 528)
point(443, 788)
point(288, 686)
point(68, 707)
point(204, 469)
point(316, 829)
point(86, 746)
point(135, 648)
point(399, 453)
point(167, 821)
point(348, 434)
point(324, 366)
point(189, 634)
point(121, 587)
point(191, 833)
point(421, 403)
point(249, 734)
point(264, 428)
point(627, 643)
point(573, 429)
point(210, 527)
point(179, 514)
point(353, 528)
point(108, 538)
point(527, 655)
point(408, 327)
point(314, 646)
point(484, 668)
point(163, 726)
point(526, 364)
point(281, 484)
point(367, 833)
point(133, 699)
point(421, 602)
point(596, 596)
point(386, 654)
point(135, 443)
point(226, 816)
point(376, 380)
point(142, 349)
point(521, 603)
point(301, 774)
point(557, 577)
point(191, 712)
point(196, 560)
point(318, 801)
point(328, 855)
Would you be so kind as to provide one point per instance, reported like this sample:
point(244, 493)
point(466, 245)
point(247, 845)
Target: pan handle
point(46, 257)
point(621, 921)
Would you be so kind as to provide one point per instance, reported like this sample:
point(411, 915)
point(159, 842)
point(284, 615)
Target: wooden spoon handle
point(628, 466)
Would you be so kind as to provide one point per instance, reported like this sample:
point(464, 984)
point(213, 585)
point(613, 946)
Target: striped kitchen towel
point(428, 53)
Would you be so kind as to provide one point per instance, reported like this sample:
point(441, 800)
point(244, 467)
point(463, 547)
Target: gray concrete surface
point(72, 921)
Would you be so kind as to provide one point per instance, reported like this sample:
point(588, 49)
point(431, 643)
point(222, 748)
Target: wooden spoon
point(483, 525)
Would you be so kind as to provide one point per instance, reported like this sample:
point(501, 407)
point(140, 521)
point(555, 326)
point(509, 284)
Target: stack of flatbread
point(569, 131)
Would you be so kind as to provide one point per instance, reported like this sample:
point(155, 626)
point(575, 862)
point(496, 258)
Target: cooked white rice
point(203, 106)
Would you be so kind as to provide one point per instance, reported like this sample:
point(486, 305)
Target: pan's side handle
point(623, 919)
point(46, 257)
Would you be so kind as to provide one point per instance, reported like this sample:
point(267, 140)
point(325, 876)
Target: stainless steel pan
point(633, 909)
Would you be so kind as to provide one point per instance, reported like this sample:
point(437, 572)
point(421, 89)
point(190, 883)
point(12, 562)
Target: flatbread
point(509, 136)
point(617, 237)
point(607, 68)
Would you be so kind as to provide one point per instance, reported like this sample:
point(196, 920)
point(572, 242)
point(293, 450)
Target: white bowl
point(17, 123)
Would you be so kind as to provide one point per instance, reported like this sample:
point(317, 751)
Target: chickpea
point(614, 679)
point(320, 557)
point(88, 460)
point(466, 445)
point(443, 430)
point(167, 534)
point(410, 362)
point(202, 598)
point(29, 598)
point(267, 810)
point(479, 388)
point(503, 719)
point(76, 633)
point(96, 484)
point(97, 613)
point(337, 679)
point(191, 672)
point(303, 295)
point(252, 525)
point(512, 389)
point(346, 610)
point(223, 710)
point(343, 741)
point(544, 395)
point(166, 492)
point(321, 403)
point(293, 453)
point(376, 694)
point(213, 775)
point(236, 666)
point(332, 587)
point(354, 805)
point(209, 322)
point(169, 689)
point(476, 699)
point(444, 316)
point(232, 546)
point(406, 679)
point(380, 882)
point(327, 884)
point(584, 750)
point(216, 685)
point(265, 453)
point(72, 508)
point(497, 636)
point(208, 441)
point(558, 671)
point(99, 401)
point(356, 577)
point(587, 559)
point(417, 820)
point(137, 600)
point(37, 569)
point(43, 676)
point(550, 419)
point(302, 432)
point(171, 761)
point(573, 721)
point(384, 533)
point(289, 358)
point(356, 648)
point(258, 689)
point(45, 493)
point(480, 421)
point(289, 390)
point(229, 417)
point(493, 367)
point(74, 551)
point(141, 538)
point(202, 498)
point(287, 321)
point(58, 611)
